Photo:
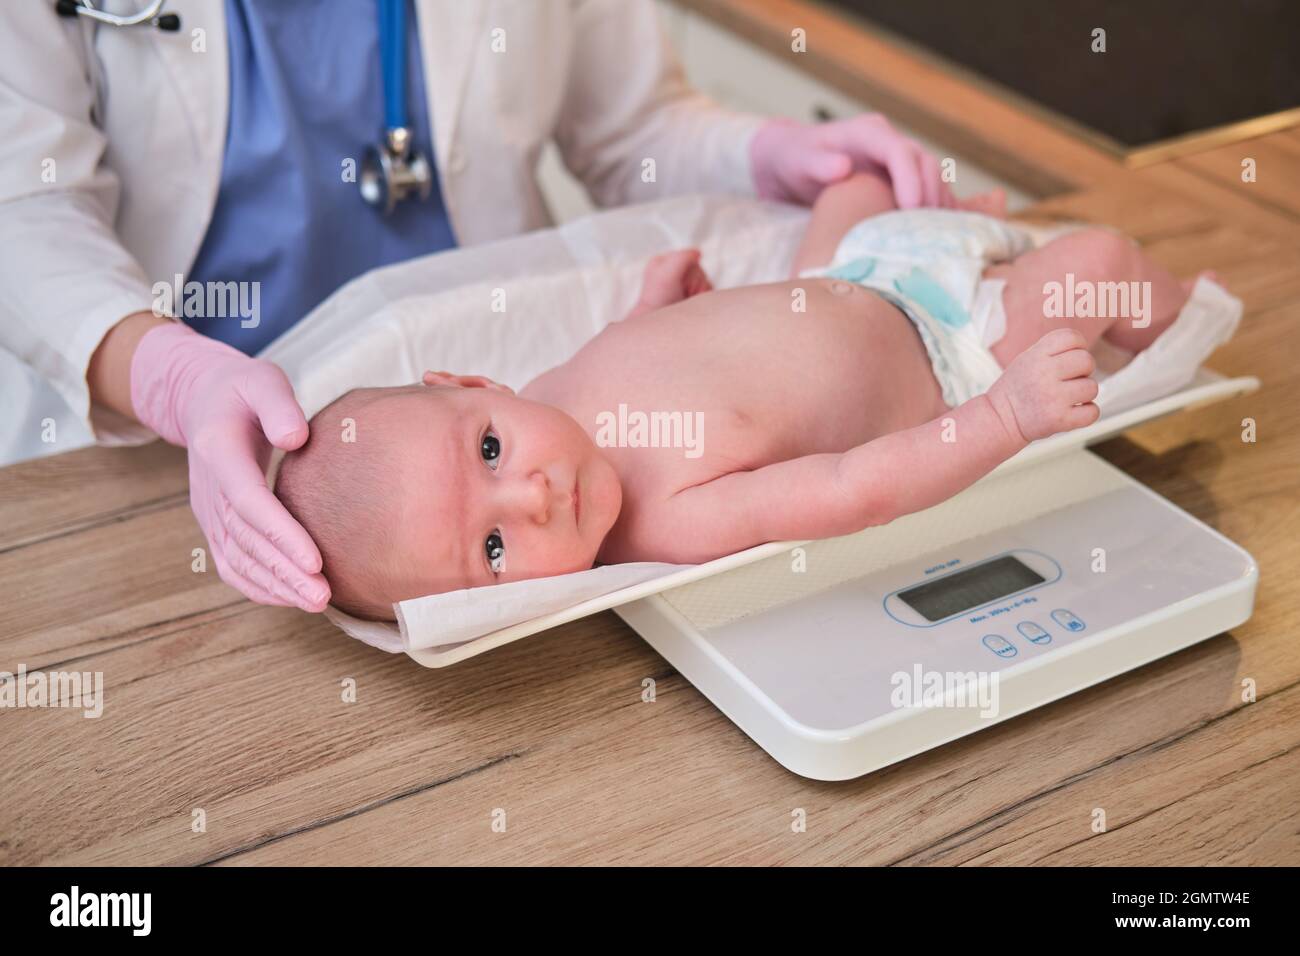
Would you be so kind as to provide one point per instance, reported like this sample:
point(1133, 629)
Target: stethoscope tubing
point(392, 53)
point(151, 14)
point(395, 159)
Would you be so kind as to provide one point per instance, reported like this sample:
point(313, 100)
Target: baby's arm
point(1045, 391)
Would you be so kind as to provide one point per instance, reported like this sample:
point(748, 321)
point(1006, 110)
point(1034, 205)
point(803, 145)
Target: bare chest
point(742, 378)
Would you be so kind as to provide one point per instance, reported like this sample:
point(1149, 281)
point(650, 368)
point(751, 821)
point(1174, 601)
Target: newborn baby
point(928, 353)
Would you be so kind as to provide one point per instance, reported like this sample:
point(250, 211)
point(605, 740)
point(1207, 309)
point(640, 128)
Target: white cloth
point(1209, 319)
point(454, 618)
point(561, 286)
point(113, 144)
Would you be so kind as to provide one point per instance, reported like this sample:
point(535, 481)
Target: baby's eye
point(490, 449)
point(495, 549)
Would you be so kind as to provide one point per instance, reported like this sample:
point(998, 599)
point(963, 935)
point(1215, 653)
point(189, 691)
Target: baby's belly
point(849, 369)
point(876, 376)
point(771, 381)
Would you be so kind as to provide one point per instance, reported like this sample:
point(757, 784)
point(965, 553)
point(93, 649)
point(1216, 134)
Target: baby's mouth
point(577, 503)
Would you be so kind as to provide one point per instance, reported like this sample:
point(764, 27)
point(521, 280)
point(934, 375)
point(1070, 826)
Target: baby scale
point(1053, 573)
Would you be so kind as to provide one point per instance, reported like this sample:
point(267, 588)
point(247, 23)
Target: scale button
point(1032, 632)
point(1067, 620)
point(999, 645)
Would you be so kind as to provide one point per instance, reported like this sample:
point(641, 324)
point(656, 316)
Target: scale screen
point(955, 593)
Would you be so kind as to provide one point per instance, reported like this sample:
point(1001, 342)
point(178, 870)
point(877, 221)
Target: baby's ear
point(465, 381)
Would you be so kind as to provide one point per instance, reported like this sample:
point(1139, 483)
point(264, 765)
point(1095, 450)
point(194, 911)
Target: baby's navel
point(840, 287)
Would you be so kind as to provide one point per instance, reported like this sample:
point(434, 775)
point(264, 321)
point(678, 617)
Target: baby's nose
point(531, 497)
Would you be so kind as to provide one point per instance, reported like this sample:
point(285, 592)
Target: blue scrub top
point(306, 93)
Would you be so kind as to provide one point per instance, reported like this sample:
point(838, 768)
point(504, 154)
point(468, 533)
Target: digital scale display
point(963, 590)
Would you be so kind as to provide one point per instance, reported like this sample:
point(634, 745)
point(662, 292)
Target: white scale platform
point(804, 660)
point(810, 677)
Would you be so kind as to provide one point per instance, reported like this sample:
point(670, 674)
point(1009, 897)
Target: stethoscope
point(391, 170)
point(152, 15)
point(394, 169)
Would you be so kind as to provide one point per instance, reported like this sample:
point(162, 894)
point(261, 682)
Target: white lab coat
point(111, 144)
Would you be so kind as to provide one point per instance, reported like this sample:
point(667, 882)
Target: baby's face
point(493, 488)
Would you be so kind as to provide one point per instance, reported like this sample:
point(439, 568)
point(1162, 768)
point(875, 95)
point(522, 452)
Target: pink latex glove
point(224, 406)
point(794, 162)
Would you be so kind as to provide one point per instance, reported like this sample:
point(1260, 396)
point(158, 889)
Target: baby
point(928, 353)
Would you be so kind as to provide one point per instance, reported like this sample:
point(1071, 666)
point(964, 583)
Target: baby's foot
point(669, 278)
point(992, 203)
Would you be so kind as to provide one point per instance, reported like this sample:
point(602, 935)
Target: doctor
point(271, 150)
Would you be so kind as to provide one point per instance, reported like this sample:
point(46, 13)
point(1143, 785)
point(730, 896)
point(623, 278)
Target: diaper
point(929, 263)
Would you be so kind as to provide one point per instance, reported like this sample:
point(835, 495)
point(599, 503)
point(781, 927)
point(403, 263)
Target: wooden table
point(213, 704)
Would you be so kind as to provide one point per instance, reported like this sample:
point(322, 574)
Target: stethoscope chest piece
point(394, 170)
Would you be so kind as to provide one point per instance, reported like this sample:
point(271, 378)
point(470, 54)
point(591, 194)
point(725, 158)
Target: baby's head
point(457, 483)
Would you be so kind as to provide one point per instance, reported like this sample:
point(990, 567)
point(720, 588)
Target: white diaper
point(930, 264)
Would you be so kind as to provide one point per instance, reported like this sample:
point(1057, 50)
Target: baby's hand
point(1047, 389)
point(670, 278)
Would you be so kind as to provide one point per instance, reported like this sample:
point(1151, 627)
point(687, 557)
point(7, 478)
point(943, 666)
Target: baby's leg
point(845, 204)
point(1094, 257)
point(837, 210)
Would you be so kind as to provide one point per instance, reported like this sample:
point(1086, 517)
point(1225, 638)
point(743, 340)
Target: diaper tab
point(855, 270)
point(918, 286)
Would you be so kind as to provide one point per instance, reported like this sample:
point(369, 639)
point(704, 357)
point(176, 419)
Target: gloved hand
point(794, 162)
point(224, 406)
